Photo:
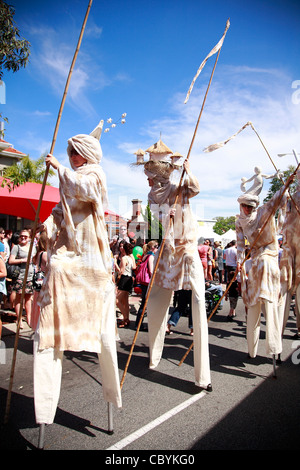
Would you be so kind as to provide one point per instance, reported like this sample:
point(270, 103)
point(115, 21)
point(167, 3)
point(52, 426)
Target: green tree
point(14, 50)
point(223, 224)
point(276, 183)
point(27, 170)
point(155, 229)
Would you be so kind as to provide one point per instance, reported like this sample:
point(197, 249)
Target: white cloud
point(41, 113)
point(93, 31)
point(31, 141)
point(239, 95)
point(51, 60)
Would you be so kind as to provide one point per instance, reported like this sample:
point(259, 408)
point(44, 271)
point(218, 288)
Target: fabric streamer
point(218, 145)
point(212, 52)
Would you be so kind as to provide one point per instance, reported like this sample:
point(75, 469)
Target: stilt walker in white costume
point(78, 296)
point(261, 287)
point(179, 264)
point(290, 260)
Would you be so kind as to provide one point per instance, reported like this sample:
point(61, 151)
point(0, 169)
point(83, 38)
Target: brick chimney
point(137, 211)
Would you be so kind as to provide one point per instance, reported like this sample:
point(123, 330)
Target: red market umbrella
point(23, 200)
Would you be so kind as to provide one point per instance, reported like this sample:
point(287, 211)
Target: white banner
point(212, 52)
point(218, 145)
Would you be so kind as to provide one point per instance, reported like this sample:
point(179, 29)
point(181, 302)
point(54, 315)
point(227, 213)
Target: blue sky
point(139, 58)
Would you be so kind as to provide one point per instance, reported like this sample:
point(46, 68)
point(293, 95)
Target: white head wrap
point(249, 199)
point(88, 146)
point(160, 173)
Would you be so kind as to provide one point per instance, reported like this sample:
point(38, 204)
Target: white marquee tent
point(228, 237)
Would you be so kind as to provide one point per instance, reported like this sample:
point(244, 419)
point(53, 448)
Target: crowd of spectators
point(217, 262)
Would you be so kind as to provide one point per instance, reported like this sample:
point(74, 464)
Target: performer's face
point(247, 209)
point(77, 160)
point(150, 182)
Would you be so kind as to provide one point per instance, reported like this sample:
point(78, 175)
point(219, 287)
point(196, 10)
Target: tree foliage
point(155, 228)
point(27, 170)
point(14, 50)
point(223, 224)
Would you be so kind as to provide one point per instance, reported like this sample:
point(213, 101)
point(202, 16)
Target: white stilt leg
point(110, 418)
point(41, 436)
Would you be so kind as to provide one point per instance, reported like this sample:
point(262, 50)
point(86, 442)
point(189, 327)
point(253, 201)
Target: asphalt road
point(163, 411)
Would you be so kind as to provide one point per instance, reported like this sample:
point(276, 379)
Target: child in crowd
point(232, 294)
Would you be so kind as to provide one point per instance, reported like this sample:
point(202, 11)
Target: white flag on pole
point(212, 52)
point(218, 145)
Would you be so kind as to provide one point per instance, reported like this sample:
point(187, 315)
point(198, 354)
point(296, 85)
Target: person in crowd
point(209, 260)
point(148, 256)
point(11, 294)
point(6, 245)
point(114, 245)
point(123, 234)
point(125, 283)
point(219, 261)
point(231, 257)
point(214, 271)
point(119, 255)
point(183, 307)
point(40, 262)
point(3, 291)
point(8, 237)
point(77, 299)
point(232, 295)
point(203, 250)
point(18, 256)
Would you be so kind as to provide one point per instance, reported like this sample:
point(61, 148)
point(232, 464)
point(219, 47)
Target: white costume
point(179, 268)
point(290, 259)
point(77, 299)
point(261, 286)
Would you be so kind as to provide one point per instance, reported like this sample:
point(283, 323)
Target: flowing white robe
point(290, 260)
point(261, 286)
point(263, 279)
point(77, 299)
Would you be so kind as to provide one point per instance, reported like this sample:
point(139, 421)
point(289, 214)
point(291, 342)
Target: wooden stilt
point(110, 418)
point(41, 436)
point(274, 367)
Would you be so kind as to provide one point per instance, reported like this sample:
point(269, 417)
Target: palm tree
point(25, 171)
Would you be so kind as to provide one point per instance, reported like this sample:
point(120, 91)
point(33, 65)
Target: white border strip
point(156, 422)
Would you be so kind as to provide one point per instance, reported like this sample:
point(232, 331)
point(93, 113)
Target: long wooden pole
point(292, 199)
point(8, 401)
point(168, 226)
point(288, 182)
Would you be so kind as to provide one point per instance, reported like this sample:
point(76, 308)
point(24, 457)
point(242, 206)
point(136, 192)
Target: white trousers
point(284, 310)
point(47, 370)
point(273, 327)
point(157, 312)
